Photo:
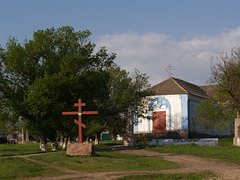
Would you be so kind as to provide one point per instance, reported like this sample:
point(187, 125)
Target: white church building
point(172, 110)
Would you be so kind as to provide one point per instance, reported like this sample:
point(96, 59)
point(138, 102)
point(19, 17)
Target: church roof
point(210, 90)
point(178, 86)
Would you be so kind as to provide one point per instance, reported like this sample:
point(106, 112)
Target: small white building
point(171, 111)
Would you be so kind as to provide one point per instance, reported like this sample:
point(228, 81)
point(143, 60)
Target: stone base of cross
point(80, 113)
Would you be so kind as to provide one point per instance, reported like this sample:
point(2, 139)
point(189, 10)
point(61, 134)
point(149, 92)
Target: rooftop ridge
point(179, 85)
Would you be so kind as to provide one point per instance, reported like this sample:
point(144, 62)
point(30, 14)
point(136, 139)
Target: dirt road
point(224, 170)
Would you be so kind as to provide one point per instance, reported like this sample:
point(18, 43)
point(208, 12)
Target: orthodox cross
point(169, 70)
point(80, 113)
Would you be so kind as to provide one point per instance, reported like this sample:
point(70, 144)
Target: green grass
point(32, 148)
point(12, 168)
point(106, 161)
point(188, 176)
point(225, 150)
point(19, 149)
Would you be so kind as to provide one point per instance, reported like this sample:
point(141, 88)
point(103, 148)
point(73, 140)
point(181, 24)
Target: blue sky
point(146, 34)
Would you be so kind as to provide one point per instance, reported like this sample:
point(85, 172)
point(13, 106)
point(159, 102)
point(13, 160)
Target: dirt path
point(224, 170)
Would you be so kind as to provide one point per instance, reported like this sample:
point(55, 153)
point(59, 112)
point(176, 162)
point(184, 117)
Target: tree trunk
point(129, 138)
point(96, 140)
point(43, 144)
point(64, 146)
point(27, 137)
point(69, 140)
point(54, 146)
point(61, 141)
point(22, 135)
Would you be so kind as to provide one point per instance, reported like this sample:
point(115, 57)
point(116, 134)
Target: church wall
point(185, 111)
point(195, 126)
point(193, 123)
point(176, 112)
point(176, 108)
point(180, 115)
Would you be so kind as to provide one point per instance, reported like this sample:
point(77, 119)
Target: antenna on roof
point(169, 70)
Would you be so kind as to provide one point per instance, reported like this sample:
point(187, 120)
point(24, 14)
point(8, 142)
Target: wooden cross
point(80, 113)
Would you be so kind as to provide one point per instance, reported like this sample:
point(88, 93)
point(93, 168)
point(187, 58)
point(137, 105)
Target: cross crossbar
point(80, 124)
point(90, 112)
point(79, 113)
point(69, 113)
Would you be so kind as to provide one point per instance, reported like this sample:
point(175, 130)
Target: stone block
point(129, 140)
point(199, 142)
point(80, 149)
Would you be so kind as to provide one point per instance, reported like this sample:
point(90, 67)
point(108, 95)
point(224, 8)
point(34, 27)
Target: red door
point(159, 121)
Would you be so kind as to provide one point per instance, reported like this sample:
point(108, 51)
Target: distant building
point(171, 111)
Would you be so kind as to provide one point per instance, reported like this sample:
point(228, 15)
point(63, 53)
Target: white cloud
point(151, 53)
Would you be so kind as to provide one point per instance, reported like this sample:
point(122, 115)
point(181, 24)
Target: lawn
point(33, 148)
point(106, 161)
point(188, 176)
point(19, 149)
point(113, 161)
point(12, 168)
point(225, 150)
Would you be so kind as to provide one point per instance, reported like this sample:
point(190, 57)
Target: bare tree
point(226, 73)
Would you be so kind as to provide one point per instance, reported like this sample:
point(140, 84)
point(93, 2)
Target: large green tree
point(126, 92)
point(46, 75)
